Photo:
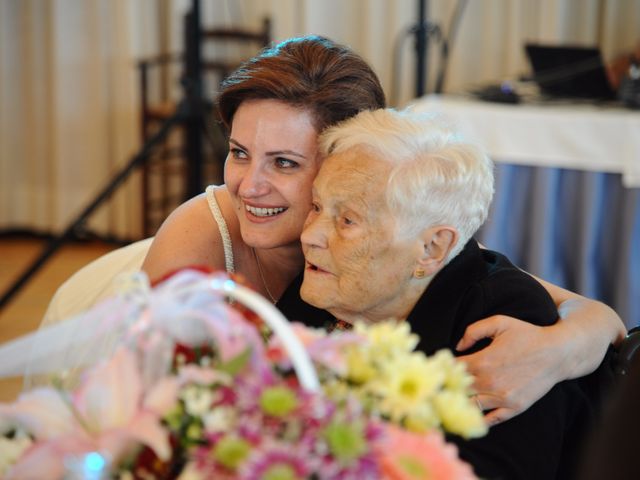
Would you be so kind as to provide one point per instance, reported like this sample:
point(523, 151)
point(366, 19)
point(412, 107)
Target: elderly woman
point(395, 205)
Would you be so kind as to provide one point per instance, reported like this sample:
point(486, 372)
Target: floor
point(25, 310)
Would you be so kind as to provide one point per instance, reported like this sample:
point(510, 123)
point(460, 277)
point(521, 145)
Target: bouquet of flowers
point(206, 380)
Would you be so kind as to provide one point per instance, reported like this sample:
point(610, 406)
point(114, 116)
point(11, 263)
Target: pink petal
point(145, 429)
point(231, 338)
point(202, 376)
point(110, 396)
point(163, 396)
point(45, 460)
point(329, 351)
point(42, 412)
point(431, 450)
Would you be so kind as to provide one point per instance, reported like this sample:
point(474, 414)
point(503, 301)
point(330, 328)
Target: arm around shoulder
point(524, 361)
point(588, 316)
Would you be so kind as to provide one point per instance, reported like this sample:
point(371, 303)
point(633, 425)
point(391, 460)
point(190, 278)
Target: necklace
point(255, 255)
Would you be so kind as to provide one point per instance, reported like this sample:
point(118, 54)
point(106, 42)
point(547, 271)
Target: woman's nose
point(254, 182)
point(314, 233)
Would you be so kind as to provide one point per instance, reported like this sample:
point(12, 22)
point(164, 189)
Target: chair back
point(628, 354)
point(193, 155)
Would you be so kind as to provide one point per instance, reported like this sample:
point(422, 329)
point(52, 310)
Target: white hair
point(438, 178)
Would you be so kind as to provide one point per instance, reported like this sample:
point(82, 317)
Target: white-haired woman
point(395, 205)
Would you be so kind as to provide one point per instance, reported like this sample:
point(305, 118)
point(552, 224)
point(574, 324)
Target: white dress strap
point(222, 226)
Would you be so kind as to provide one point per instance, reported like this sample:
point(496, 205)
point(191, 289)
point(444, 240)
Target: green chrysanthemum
point(230, 451)
point(412, 467)
point(280, 471)
point(278, 401)
point(346, 441)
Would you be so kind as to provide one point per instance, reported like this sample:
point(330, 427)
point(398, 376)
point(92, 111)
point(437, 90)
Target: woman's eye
point(315, 207)
point(285, 163)
point(238, 154)
point(347, 221)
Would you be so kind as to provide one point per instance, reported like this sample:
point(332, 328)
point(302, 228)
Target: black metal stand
point(421, 33)
point(192, 83)
point(190, 112)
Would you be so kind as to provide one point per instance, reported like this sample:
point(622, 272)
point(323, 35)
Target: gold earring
point(419, 273)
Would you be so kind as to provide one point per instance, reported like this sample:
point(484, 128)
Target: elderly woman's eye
point(347, 221)
point(315, 207)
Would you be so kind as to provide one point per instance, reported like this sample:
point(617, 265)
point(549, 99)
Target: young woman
point(274, 107)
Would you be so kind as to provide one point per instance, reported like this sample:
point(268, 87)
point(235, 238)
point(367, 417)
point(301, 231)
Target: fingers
point(499, 415)
point(475, 367)
point(492, 415)
point(487, 328)
point(489, 402)
point(513, 372)
point(480, 366)
point(501, 407)
point(477, 402)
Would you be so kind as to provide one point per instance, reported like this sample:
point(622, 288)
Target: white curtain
point(69, 97)
point(68, 111)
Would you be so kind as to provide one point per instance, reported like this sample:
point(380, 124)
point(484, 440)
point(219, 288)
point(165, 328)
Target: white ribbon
point(167, 310)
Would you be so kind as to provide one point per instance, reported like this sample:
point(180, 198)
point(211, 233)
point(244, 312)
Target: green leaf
point(236, 364)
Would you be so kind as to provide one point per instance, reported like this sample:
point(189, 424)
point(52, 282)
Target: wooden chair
point(165, 175)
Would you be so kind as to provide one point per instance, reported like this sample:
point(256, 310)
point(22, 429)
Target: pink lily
point(109, 413)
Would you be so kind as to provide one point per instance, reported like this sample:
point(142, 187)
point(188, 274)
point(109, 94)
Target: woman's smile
point(255, 212)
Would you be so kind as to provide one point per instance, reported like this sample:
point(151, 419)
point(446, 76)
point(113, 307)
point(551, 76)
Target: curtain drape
point(69, 98)
point(68, 111)
point(576, 229)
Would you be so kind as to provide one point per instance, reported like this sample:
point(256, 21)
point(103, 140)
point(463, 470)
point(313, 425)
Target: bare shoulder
point(188, 237)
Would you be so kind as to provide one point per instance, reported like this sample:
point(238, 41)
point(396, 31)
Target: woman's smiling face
point(272, 162)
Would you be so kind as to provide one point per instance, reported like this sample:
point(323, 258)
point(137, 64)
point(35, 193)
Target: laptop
point(567, 71)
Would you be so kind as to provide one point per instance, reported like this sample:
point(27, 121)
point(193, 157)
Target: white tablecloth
point(563, 207)
point(574, 136)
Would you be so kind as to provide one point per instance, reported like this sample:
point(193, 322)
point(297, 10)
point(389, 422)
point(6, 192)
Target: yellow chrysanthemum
point(337, 389)
point(422, 418)
point(388, 338)
point(456, 376)
point(407, 381)
point(459, 414)
point(360, 367)
point(340, 392)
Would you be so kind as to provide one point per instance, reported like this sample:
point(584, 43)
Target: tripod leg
point(56, 242)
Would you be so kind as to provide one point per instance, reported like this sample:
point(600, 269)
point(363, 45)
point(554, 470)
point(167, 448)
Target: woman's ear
point(438, 243)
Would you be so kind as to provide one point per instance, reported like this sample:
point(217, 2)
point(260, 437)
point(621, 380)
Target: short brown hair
point(312, 72)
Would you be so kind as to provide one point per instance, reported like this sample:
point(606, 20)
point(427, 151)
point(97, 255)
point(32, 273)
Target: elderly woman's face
point(355, 261)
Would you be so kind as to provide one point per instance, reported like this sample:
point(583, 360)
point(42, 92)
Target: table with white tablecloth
point(567, 203)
